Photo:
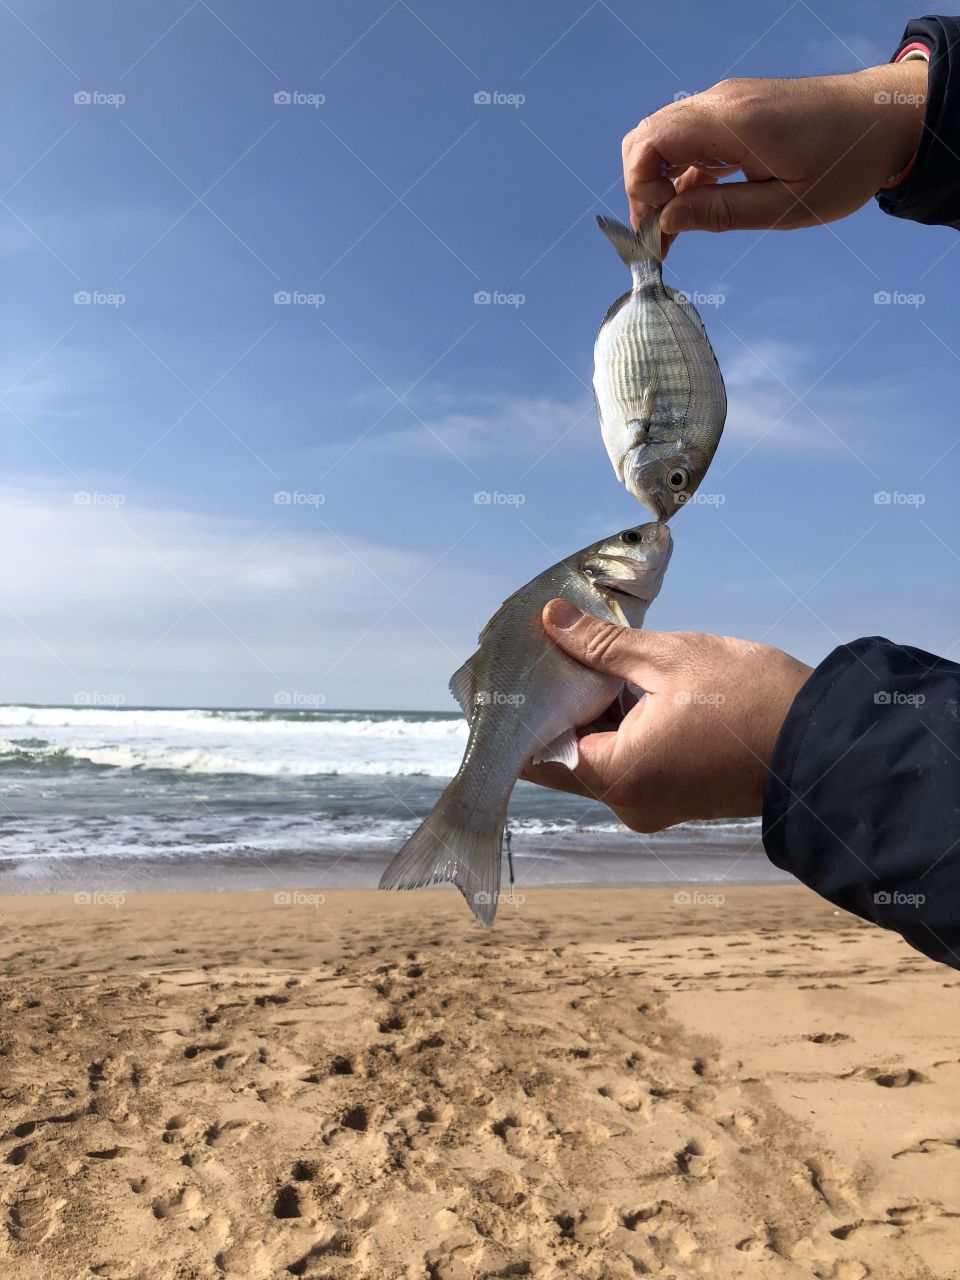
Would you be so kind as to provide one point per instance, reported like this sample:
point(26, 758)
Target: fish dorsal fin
point(488, 629)
point(563, 749)
point(463, 682)
point(693, 315)
point(463, 686)
point(686, 306)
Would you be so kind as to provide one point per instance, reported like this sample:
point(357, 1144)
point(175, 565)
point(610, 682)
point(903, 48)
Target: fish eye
point(678, 478)
point(631, 535)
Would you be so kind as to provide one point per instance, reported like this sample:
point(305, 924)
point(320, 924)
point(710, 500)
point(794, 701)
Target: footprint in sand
point(900, 1220)
point(896, 1078)
point(339, 1246)
point(627, 1094)
point(33, 1215)
point(182, 1203)
point(832, 1183)
point(925, 1147)
point(696, 1158)
point(845, 1270)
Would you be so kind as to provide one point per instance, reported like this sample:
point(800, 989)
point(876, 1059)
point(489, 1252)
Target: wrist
point(898, 96)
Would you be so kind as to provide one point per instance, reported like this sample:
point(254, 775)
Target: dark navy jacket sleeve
point(930, 192)
point(862, 800)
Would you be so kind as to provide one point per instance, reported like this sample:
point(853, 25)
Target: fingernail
point(563, 615)
point(679, 218)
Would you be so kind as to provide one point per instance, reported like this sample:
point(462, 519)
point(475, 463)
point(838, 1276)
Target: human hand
point(699, 743)
point(811, 150)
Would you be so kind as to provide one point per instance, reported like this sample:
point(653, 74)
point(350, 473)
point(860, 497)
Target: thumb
point(734, 206)
point(603, 646)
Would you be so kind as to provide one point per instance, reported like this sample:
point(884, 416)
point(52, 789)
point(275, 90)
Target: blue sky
point(179, 413)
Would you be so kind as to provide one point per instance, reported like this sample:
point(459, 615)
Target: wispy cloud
point(521, 425)
point(168, 606)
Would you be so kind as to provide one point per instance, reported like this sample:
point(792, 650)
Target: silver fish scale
point(516, 659)
point(654, 333)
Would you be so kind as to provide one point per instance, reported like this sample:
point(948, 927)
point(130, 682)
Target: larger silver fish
point(524, 698)
point(660, 394)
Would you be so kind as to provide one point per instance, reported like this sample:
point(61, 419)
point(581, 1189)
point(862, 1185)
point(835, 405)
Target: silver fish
point(524, 698)
point(659, 390)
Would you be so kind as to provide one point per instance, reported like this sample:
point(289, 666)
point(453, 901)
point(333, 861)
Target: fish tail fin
point(635, 247)
point(455, 846)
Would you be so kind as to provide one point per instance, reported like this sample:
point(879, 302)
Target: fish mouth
point(623, 589)
point(648, 501)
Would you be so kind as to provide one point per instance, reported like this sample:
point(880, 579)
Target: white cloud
point(173, 607)
point(763, 361)
point(474, 427)
point(778, 400)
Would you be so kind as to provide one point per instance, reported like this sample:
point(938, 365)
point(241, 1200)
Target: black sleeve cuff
point(862, 798)
point(930, 193)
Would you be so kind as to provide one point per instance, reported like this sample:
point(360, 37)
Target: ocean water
point(108, 799)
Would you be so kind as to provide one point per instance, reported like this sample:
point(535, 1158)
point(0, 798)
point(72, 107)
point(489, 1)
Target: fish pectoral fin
point(650, 394)
point(463, 686)
point(562, 750)
point(641, 411)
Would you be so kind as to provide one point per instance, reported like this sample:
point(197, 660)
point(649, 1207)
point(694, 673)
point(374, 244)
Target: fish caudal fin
point(443, 849)
point(635, 247)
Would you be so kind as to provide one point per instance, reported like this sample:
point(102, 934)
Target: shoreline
point(625, 863)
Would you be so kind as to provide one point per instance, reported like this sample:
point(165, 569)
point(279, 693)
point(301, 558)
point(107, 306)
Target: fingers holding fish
point(859, 130)
point(698, 746)
point(691, 133)
point(639, 658)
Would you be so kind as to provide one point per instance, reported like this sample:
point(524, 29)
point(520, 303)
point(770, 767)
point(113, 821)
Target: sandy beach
point(609, 1084)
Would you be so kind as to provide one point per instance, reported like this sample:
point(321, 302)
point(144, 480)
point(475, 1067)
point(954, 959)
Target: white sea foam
point(201, 742)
